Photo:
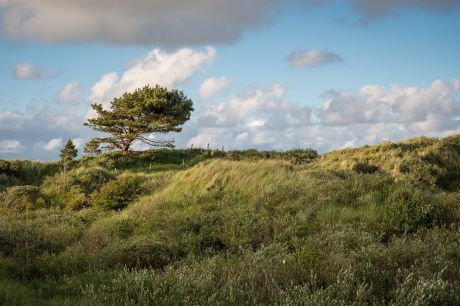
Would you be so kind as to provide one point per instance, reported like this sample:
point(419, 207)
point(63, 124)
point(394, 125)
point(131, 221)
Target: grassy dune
point(374, 225)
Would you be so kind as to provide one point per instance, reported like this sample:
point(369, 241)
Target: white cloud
point(313, 58)
point(160, 22)
point(212, 86)
point(10, 120)
point(158, 67)
point(258, 117)
point(11, 146)
point(29, 70)
point(71, 93)
point(78, 142)
point(35, 130)
point(418, 109)
point(267, 105)
point(53, 144)
point(262, 118)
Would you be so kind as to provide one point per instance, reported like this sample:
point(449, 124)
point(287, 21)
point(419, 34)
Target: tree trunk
point(125, 149)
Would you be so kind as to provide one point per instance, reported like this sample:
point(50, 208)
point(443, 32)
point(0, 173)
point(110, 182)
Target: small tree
point(134, 115)
point(68, 152)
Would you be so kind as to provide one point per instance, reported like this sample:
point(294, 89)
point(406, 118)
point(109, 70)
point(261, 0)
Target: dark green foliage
point(68, 152)
point(410, 209)
point(296, 156)
point(119, 193)
point(132, 116)
point(25, 172)
point(22, 198)
point(72, 189)
point(365, 168)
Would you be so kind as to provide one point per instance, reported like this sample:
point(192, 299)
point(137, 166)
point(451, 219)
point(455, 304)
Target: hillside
point(372, 225)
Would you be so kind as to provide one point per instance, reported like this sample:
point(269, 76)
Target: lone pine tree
point(135, 115)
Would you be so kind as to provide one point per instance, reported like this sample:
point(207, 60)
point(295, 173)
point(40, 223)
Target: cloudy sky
point(266, 74)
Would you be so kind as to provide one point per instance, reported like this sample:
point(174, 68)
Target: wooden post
point(208, 146)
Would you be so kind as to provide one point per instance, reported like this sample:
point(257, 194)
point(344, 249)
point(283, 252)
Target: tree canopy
point(135, 115)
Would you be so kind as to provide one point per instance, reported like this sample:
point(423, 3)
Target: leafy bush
point(140, 252)
point(22, 197)
point(119, 193)
point(71, 189)
point(410, 209)
point(90, 179)
point(365, 168)
point(432, 291)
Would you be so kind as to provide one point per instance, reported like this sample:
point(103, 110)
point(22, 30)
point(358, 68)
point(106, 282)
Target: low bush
point(22, 198)
point(72, 189)
point(410, 209)
point(119, 193)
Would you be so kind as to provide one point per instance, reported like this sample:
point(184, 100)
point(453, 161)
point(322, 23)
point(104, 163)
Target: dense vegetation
point(374, 225)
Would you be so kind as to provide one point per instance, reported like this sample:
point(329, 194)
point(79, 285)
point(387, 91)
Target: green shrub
point(410, 209)
point(300, 156)
point(22, 197)
point(119, 193)
point(139, 252)
point(420, 173)
point(90, 179)
point(420, 291)
point(365, 168)
point(72, 189)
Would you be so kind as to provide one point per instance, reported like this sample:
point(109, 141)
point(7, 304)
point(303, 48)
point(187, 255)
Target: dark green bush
point(410, 209)
point(365, 168)
point(140, 252)
point(22, 197)
point(119, 193)
point(90, 179)
point(420, 173)
point(71, 189)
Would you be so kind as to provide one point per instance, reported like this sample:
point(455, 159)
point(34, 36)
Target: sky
point(265, 74)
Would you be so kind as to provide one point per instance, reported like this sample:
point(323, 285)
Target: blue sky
point(265, 74)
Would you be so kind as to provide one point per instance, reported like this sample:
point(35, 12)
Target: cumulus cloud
point(212, 86)
point(420, 109)
point(259, 107)
point(256, 117)
point(71, 93)
point(313, 58)
point(10, 120)
point(262, 118)
point(160, 22)
point(157, 67)
point(40, 129)
point(29, 70)
point(53, 144)
point(11, 146)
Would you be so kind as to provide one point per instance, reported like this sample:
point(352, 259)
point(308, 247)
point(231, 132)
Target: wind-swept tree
point(135, 115)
